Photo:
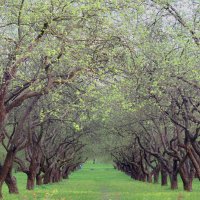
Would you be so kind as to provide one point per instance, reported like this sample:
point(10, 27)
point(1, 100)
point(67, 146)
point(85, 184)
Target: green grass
point(101, 182)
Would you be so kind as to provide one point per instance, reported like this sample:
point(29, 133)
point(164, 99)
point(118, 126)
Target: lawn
point(101, 182)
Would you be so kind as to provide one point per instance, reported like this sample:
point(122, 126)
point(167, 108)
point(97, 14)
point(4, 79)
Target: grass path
point(101, 182)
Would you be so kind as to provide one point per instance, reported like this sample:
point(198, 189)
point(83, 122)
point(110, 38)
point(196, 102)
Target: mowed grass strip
point(101, 182)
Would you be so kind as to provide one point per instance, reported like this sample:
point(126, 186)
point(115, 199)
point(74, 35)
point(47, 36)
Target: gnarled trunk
point(11, 182)
point(187, 175)
point(195, 159)
point(6, 168)
point(187, 182)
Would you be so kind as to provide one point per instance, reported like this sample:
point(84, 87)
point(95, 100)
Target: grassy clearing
point(101, 182)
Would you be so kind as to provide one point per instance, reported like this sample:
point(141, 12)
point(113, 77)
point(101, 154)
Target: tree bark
point(30, 181)
point(31, 175)
point(187, 186)
point(6, 168)
point(142, 177)
point(156, 176)
point(149, 178)
point(38, 180)
point(163, 177)
point(174, 181)
point(195, 159)
point(187, 176)
point(47, 176)
point(1, 194)
point(11, 182)
point(173, 176)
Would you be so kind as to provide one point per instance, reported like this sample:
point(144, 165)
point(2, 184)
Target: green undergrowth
point(101, 182)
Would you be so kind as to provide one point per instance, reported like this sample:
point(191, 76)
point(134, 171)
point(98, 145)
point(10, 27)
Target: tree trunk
point(66, 173)
point(66, 176)
point(7, 166)
point(59, 176)
point(187, 177)
point(187, 182)
point(1, 193)
point(149, 178)
point(174, 181)
point(47, 176)
point(194, 159)
point(187, 186)
point(3, 115)
point(173, 177)
point(156, 177)
point(163, 177)
point(31, 175)
point(143, 177)
point(30, 181)
point(11, 182)
point(38, 179)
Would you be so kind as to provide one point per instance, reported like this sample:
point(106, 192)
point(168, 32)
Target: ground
point(101, 182)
